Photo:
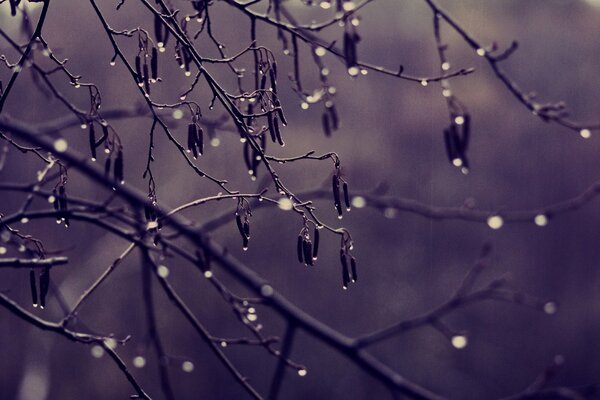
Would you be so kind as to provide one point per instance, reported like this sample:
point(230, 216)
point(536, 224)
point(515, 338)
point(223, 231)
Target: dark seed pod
point(466, 132)
point(300, 249)
point(346, 196)
point(271, 127)
point(248, 157)
point(273, 80)
point(192, 137)
point(335, 121)
point(280, 112)
point(92, 140)
point(158, 29)
point(277, 131)
point(350, 50)
point(107, 167)
point(263, 82)
point(336, 194)
point(315, 252)
point(63, 204)
point(118, 169)
point(307, 250)
point(450, 142)
point(326, 124)
point(345, 273)
point(154, 64)
point(146, 79)
point(32, 284)
point(202, 261)
point(200, 140)
point(247, 229)
point(274, 69)
point(104, 135)
point(238, 221)
point(138, 69)
point(353, 269)
point(44, 286)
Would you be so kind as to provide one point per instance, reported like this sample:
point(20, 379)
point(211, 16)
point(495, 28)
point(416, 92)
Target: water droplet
point(320, 51)
point(163, 271)
point(390, 212)
point(459, 120)
point(325, 5)
point(445, 66)
point(495, 222)
point(353, 71)
point(266, 290)
point(304, 105)
point(302, 372)
point(285, 204)
point(139, 362)
point(252, 317)
point(585, 133)
point(480, 52)
point(550, 308)
point(97, 351)
point(110, 343)
point(358, 202)
point(223, 344)
point(51, 199)
point(60, 145)
point(177, 114)
point(3, 250)
point(24, 220)
point(208, 274)
point(457, 162)
point(459, 341)
point(215, 142)
point(424, 82)
point(187, 366)
point(541, 220)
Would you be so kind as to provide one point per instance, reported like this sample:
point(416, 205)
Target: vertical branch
point(286, 349)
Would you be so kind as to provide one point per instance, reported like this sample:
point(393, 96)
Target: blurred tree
point(197, 91)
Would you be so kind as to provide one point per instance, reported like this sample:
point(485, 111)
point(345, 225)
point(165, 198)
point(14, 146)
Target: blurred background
point(391, 132)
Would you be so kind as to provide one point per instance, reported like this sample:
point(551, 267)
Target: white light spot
point(348, 6)
point(320, 51)
point(550, 308)
point(285, 204)
point(480, 52)
point(445, 66)
point(302, 372)
point(61, 145)
point(541, 220)
point(446, 93)
point(97, 351)
point(459, 341)
point(424, 82)
point(325, 5)
point(3, 250)
point(187, 366)
point(24, 220)
point(585, 133)
point(495, 222)
point(457, 162)
point(215, 142)
point(358, 202)
point(355, 21)
point(390, 212)
point(177, 114)
point(252, 317)
point(110, 343)
point(353, 71)
point(163, 271)
point(139, 362)
point(459, 120)
point(152, 225)
point(266, 290)
point(223, 344)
